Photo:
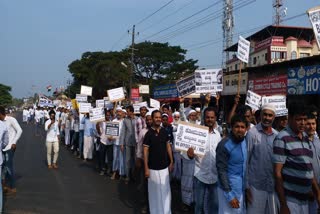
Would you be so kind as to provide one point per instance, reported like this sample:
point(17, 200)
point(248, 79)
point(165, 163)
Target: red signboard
point(135, 94)
point(269, 85)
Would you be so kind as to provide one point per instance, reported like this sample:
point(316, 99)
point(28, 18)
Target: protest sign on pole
point(96, 114)
point(191, 135)
point(208, 81)
point(253, 100)
point(84, 107)
point(116, 94)
point(154, 103)
point(86, 90)
point(314, 16)
point(81, 98)
point(100, 103)
point(243, 49)
point(279, 102)
point(186, 86)
point(112, 129)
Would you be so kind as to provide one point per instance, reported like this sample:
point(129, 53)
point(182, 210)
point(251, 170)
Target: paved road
point(75, 187)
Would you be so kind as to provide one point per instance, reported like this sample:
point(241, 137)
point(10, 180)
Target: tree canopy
point(5, 96)
point(154, 64)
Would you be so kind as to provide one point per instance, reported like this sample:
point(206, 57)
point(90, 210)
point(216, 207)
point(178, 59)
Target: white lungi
point(67, 136)
point(87, 147)
point(159, 192)
point(224, 206)
point(263, 202)
point(298, 208)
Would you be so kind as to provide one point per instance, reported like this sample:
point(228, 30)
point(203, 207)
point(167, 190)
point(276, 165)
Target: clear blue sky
point(40, 38)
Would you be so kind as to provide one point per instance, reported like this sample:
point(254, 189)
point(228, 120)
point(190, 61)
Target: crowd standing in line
point(260, 163)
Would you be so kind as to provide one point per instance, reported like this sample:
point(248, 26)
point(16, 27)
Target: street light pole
point(132, 65)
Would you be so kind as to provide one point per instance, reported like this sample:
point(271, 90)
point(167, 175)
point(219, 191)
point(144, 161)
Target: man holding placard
point(259, 181)
point(205, 172)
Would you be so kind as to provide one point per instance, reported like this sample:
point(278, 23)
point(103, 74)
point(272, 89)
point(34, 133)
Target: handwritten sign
point(253, 100)
point(86, 90)
point(84, 107)
point(96, 114)
point(190, 135)
point(81, 98)
point(279, 102)
point(154, 103)
point(208, 81)
point(314, 16)
point(186, 86)
point(112, 129)
point(243, 49)
point(116, 94)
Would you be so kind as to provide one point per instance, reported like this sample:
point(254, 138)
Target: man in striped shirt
point(292, 156)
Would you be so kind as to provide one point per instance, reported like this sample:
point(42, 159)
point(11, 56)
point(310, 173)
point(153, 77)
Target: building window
point(293, 55)
point(255, 60)
point(266, 57)
point(236, 67)
point(302, 55)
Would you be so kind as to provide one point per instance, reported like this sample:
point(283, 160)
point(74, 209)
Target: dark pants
point(109, 152)
point(8, 168)
point(75, 141)
point(102, 157)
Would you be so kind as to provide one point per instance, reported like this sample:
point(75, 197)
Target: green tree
point(5, 96)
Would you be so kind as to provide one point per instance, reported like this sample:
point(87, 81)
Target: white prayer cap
point(165, 115)
point(268, 106)
point(148, 113)
point(119, 108)
point(176, 113)
point(198, 109)
point(125, 111)
point(191, 111)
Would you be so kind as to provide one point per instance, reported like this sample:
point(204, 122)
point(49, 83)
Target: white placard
point(152, 109)
point(81, 98)
point(314, 16)
point(186, 86)
point(279, 102)
point(86, 90)
point(253, 100)
point(137, 107)
point(112, 129)
point(96, 114)
point(84, 107)
point(154, 103)
point(189, 135)
point(99, 103)
point(208, 81)
point(116, 94)
point(243, 49)
point(144, 89)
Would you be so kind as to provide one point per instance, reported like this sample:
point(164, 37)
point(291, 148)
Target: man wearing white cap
point(261, 196)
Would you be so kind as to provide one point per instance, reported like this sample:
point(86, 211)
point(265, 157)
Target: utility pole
point(132, 63)
point(227, 27)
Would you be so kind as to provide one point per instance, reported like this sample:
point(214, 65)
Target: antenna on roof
point(279, 12)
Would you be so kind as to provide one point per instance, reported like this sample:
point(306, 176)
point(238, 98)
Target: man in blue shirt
point(231, 161)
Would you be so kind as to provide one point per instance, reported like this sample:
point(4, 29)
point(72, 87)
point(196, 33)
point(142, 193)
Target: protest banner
point(144, 89)
point(86, 90)
point(314, 16)
point(100, 103)
point(208, 81)
point(186, 86)
point(57, 102)
point(279, 102)
point(96, 114)
point(137, 107)
point(191, 135)
point(167, 92)
point(84, 107)
point(253, 100)
point(154, 103)
point(112, 129)
point(81, 98)
point(116, 94)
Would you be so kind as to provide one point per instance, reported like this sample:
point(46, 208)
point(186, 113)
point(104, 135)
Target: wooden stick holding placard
point(239, 79)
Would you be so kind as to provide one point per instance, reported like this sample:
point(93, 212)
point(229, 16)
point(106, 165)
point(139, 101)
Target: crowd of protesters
point(254, 163)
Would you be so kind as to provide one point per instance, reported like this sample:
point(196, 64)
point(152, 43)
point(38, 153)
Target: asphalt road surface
point(76, 187)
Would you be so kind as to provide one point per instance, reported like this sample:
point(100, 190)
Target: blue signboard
point(165, 92)
point(304, 80)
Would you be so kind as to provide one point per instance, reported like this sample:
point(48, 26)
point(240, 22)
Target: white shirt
point(37, 115)
point(205, 167)
point(52, 132)
point(14, 131)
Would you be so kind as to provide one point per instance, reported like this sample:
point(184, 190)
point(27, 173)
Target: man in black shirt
point(158, 161)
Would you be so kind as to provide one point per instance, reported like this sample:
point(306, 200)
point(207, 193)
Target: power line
point(183, 20)
point(147, 17)
point(119, 40)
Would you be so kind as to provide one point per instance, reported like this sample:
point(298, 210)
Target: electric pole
point(227, 27)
